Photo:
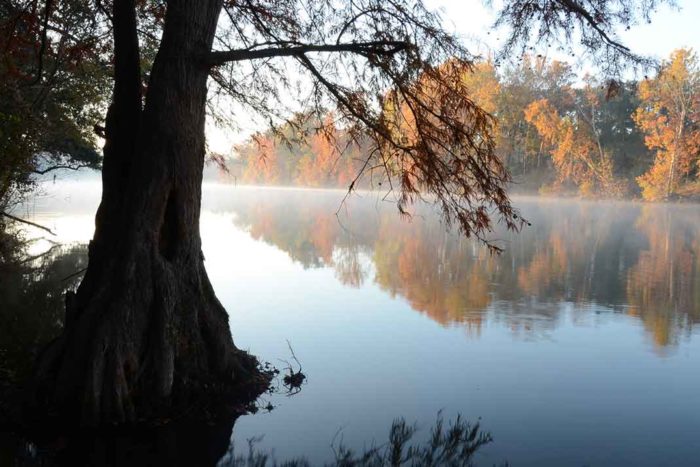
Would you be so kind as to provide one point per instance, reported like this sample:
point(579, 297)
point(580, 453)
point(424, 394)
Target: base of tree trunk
point(186, 443)
point(152, 343)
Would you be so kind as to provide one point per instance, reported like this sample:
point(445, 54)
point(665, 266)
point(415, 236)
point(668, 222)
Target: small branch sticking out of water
point(294, 379)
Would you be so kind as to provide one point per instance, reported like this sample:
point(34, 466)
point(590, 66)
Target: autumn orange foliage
point(669, 116)
point(575, 147)
point(599, 139)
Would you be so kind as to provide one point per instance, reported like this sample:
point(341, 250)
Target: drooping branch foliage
point(378, 66)
point(394, 81)
point(54, 84)
point(593, 24)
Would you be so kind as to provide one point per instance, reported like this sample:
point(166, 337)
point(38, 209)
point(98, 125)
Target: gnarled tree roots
point(151, 343)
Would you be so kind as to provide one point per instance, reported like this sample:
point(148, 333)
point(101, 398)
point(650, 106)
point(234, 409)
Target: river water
point(579, 345)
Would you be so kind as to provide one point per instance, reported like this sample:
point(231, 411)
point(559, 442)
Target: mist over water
point(579, 345)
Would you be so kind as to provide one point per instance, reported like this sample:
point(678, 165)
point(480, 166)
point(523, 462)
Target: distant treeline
point(556, 132)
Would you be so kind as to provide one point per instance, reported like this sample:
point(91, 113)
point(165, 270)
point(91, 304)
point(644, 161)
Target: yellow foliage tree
point(669, 115)
point(260, 159)
point(483, 85)
point(575, 148)
point(317, 168)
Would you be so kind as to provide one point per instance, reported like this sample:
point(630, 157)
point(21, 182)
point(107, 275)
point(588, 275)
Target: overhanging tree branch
point(58, 167)
point(579, 10)
point(23, 221)
point(362, 48)
point(42, 47)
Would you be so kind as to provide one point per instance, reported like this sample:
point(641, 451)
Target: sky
point(671, 28)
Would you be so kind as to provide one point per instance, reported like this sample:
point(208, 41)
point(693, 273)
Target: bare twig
point(42, 47)
point(74, 274)
point(40, 255)
point(294, 357)
point(294, 380)
point(24, 221)
point(58, 167)
point(297, 50)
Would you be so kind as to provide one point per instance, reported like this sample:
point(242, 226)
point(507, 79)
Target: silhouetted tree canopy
point(378, 65)
point(54, 87)
point(382, 66)
point(592, 24)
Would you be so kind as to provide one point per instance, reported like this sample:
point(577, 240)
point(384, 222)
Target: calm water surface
point(577, 346)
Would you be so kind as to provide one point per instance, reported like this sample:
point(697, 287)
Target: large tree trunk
point(145, 335)
point(187, 443)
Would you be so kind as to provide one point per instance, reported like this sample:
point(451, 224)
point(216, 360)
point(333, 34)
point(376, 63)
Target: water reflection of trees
point(663, 287)
point(32, 290)
point(620, 257)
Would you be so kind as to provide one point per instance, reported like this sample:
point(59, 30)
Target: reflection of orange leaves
point(549, 265)
point(323, 236)
point(348, 268)
point(433, 280)
point(409, 259)
point(471, 295)
point(577, 253)
point(661, 284)
point(264, 224)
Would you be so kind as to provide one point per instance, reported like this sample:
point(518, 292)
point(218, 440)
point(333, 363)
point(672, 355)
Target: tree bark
point(145, 334)
point(674, 157)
